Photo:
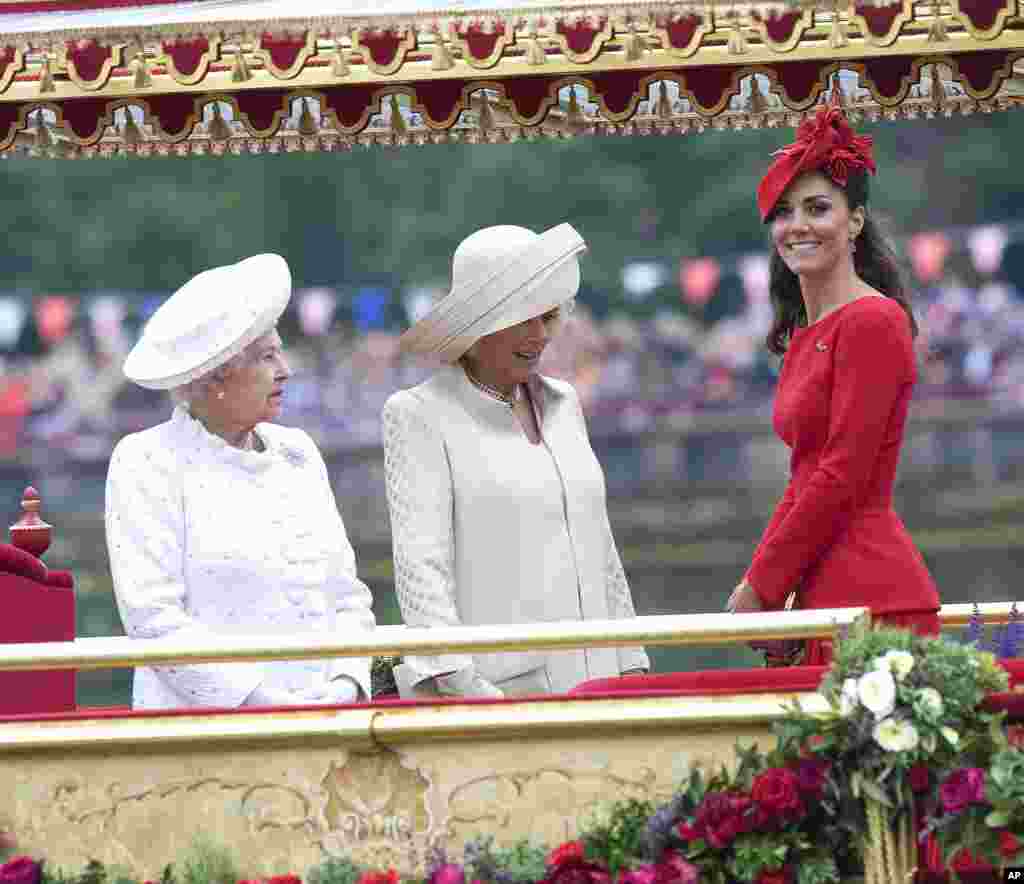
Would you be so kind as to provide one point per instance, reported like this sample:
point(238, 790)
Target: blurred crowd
point(632, 373)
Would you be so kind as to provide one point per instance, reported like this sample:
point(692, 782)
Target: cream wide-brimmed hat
point(501, 276)
point(212, 317)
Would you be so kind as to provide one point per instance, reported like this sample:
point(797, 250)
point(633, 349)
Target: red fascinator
point(826, 142)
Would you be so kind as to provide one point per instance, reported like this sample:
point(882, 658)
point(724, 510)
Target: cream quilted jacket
point(488, 528)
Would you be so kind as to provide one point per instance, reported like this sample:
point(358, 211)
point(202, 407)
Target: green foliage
point(208, 863)
point(522, 862)
point(334, 870)
point(614, 835)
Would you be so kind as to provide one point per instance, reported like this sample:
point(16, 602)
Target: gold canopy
point(105, 77)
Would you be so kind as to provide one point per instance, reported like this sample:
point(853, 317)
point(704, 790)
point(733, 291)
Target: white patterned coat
point(206, 539)
point(487, 528)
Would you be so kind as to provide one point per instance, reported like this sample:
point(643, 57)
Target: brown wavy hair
point(874, 260)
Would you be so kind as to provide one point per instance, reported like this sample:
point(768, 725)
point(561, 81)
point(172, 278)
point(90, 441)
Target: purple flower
point(1009, 646)
point(975, 627)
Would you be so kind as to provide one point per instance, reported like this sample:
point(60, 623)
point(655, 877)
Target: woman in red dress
point(844, 323)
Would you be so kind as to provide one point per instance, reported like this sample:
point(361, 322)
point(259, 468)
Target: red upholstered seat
point(39, 606)
point(717, 681)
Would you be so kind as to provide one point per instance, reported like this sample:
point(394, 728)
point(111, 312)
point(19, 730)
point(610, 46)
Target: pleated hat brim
point(540, 275)
point(210, 319)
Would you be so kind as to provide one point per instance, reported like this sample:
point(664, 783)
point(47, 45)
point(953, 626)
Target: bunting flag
point(928, 253)
point(316, 311)
point(13, 313)
point(54, 315)
point(106, 316)
point(698, 279)
point(986, 246)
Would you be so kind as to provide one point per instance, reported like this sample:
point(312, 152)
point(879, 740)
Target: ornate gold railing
point(676, 629)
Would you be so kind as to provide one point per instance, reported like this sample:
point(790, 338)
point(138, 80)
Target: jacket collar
point(544, 395)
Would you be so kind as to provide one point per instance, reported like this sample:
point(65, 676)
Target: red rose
point(777, 791)
point(577, 871)
point(1015, 734)
point(388, 877)
point(774, 876)
point(965, 861)
point(920, 778)
point(570, 850)
point(673, 869)
point(20, 870)
point(284, 879)
point(963, 788)
point(1009, 844)
point(721, 817)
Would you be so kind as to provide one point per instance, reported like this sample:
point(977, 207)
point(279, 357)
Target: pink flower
point(449, 873)
point(963, 788)
point(640, 875)
point(20, 870)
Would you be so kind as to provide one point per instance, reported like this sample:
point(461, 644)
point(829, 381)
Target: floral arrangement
point(902, 743)
point(901, 712)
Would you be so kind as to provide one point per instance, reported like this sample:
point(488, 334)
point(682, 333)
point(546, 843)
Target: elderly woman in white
point(219, 522)
point(497, 501)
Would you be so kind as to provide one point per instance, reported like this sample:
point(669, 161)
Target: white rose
point(951, 736)
point(877, 691)
point(899, 663)
point(848, 698)
point(932, 700)
point(895, 735)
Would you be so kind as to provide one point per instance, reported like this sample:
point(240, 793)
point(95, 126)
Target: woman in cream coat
point(497, 501)
point(220, 522)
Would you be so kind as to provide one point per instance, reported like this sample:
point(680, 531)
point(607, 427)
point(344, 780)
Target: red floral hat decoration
point(825, 142)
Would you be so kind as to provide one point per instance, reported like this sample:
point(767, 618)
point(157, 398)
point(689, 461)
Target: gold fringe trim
point(441, 59)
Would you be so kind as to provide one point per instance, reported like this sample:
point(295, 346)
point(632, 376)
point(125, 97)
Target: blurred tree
point(393, 217)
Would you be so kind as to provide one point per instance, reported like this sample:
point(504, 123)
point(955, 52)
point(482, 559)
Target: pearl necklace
point(508, 399)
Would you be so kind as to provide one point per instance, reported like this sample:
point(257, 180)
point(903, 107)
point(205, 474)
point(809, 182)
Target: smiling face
point(813, 226)
point(511, 355)
point(253, 389)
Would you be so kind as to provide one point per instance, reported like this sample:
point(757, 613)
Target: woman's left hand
point(744, 600)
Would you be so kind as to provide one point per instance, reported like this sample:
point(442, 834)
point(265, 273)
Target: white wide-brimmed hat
point(212, 317)
point(501, 276)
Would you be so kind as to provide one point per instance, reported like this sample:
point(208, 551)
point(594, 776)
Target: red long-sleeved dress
point(841, 407)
